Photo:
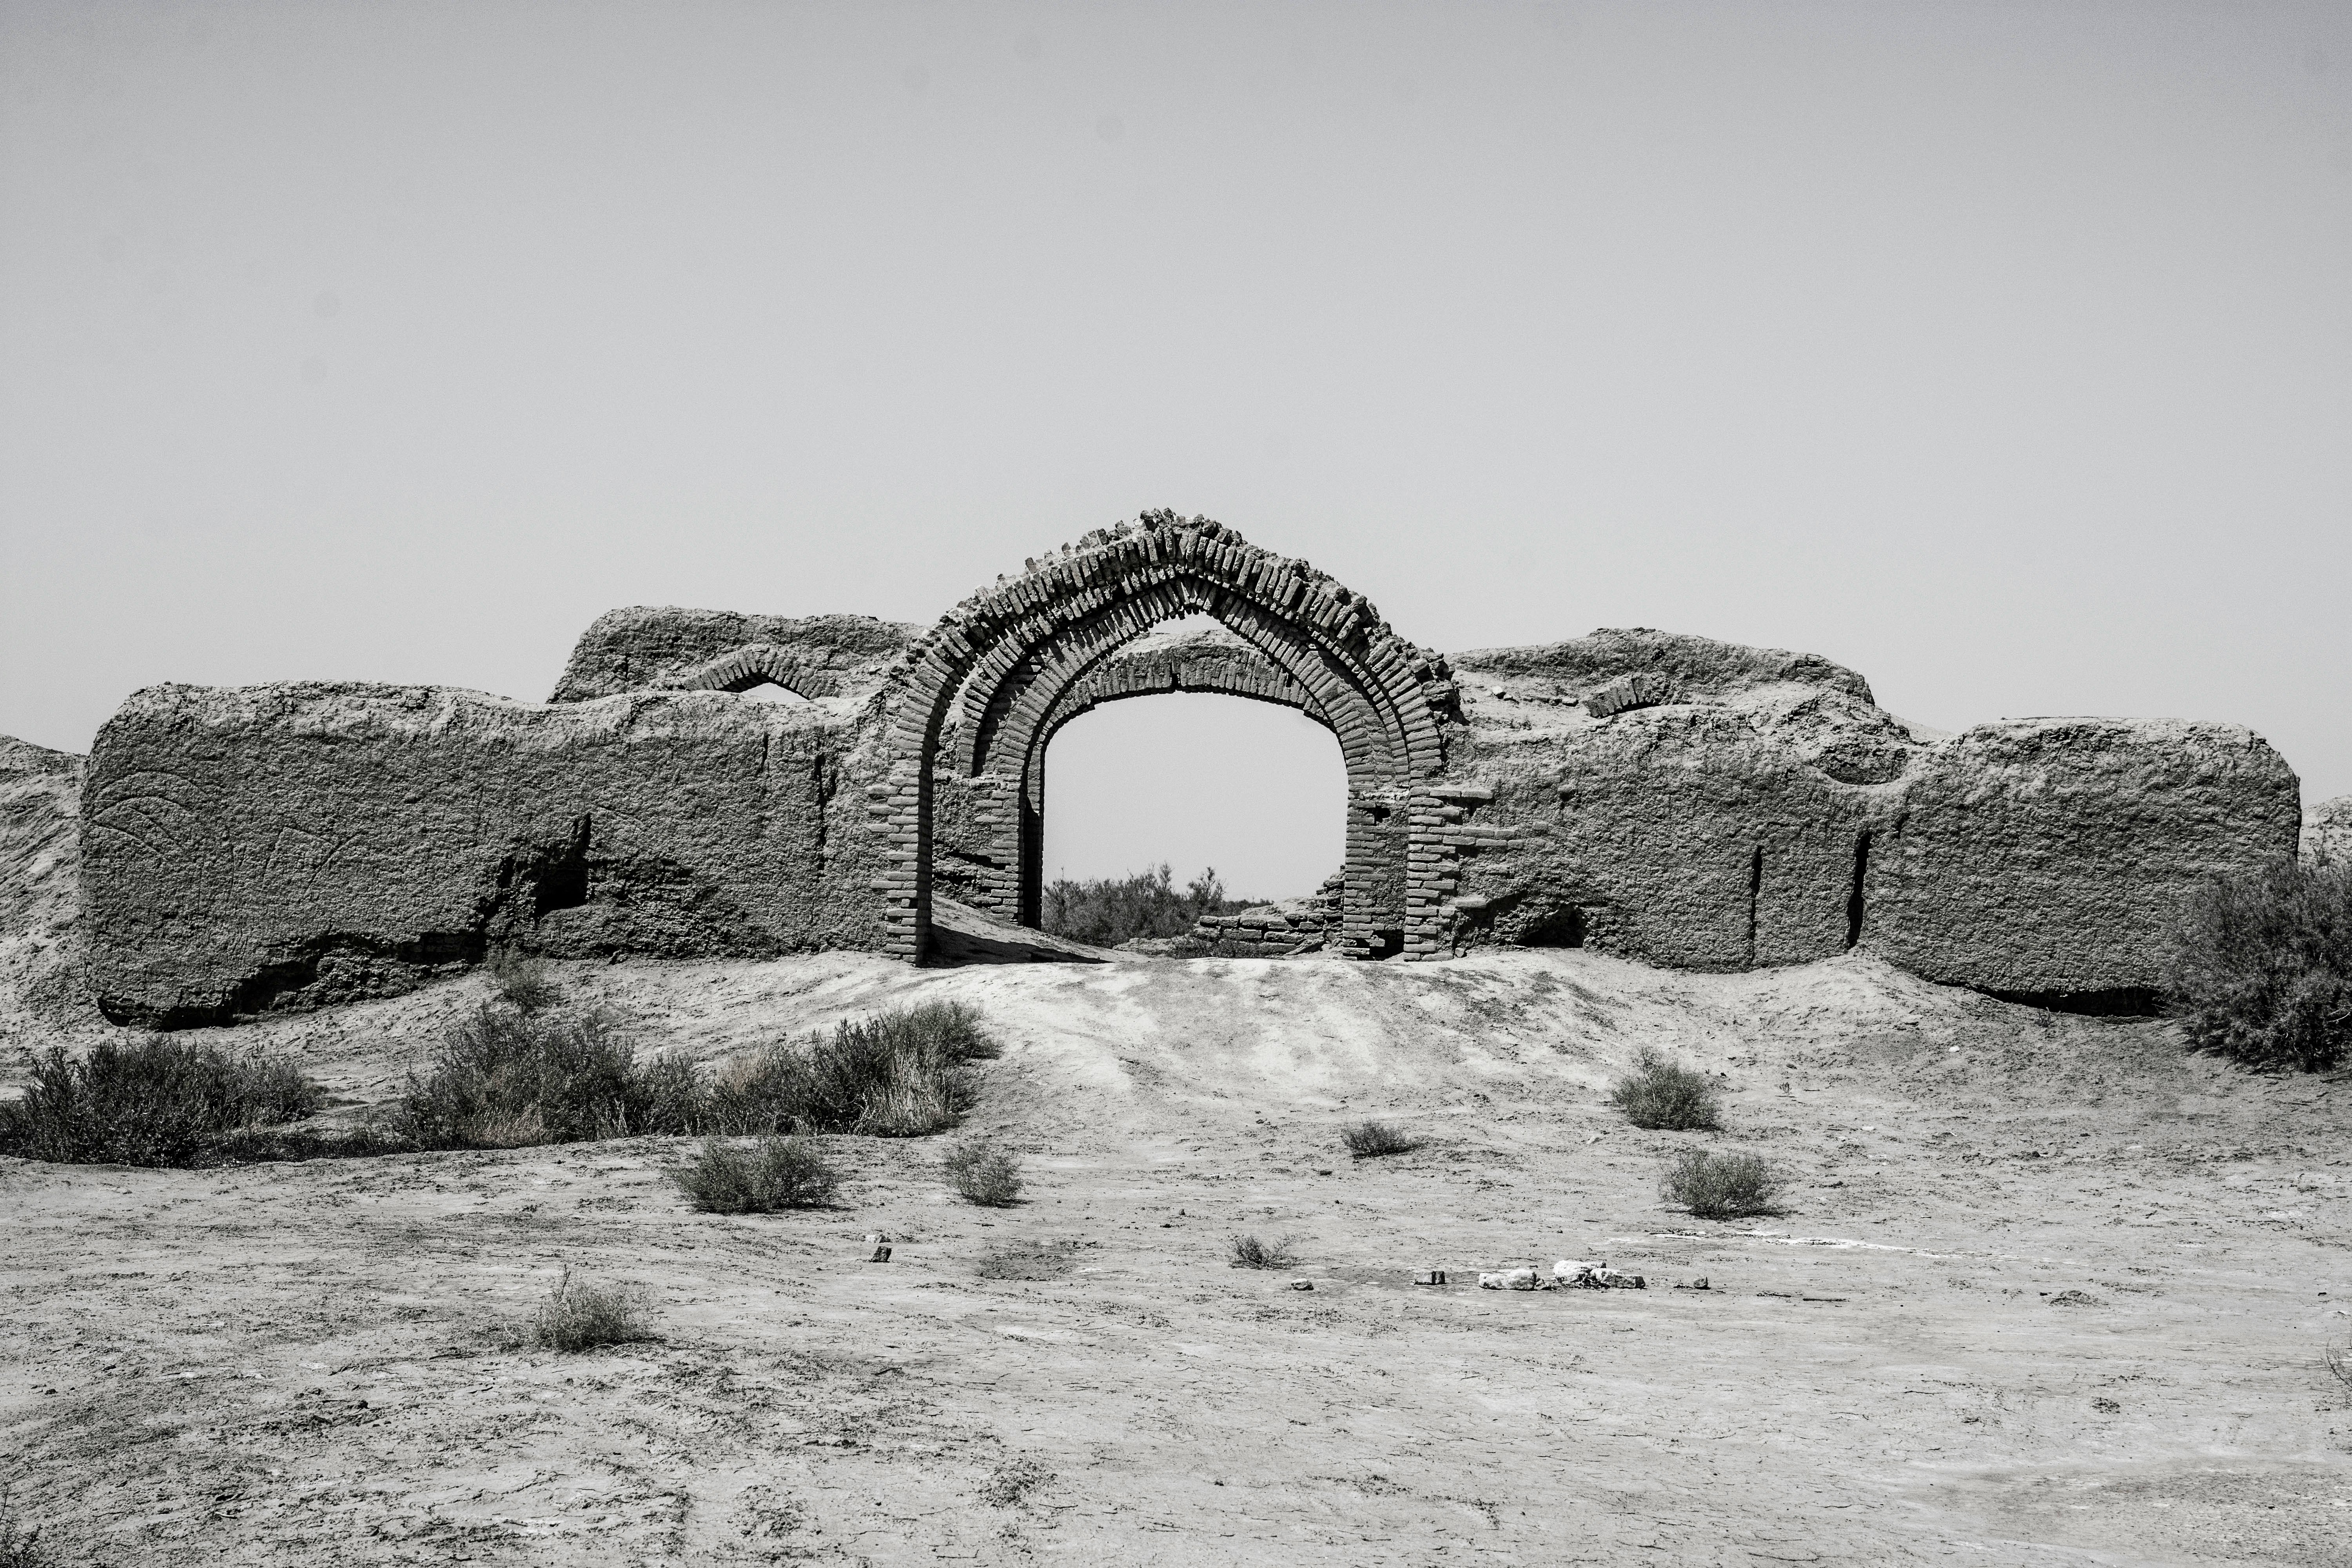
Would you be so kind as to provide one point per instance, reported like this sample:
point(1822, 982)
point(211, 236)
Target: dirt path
point(299, 1365)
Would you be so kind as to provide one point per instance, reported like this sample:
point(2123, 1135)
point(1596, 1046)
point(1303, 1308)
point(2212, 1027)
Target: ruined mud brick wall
point(1673, 799)
point(647, 648)
point(41, 990)
point(1668, 798)
point(2048, 858)
point(290, 844)
point(2328, 833)
point(1696, 804)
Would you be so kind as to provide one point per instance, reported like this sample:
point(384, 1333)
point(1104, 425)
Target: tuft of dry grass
point(581, 1316)
point(1371, 1139)
point(1666, 1095)
point(522, 981)
point(2337, 1359)
point(1013, 1481)
point(1249, 1252)
point(1721, 1186)
point(984, 1174)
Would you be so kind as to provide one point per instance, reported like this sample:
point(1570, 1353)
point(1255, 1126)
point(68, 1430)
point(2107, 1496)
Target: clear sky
point(2000, 350)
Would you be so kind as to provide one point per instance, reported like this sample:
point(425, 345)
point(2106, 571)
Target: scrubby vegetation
point(157, 1101)
point(1107, 911)
point(1721, 1186)
point(1666, 1095)
point(898, 1073)
point(20, 1547)
point(581, 1316)
point(773, 1174)
point(504, 1078)
point(2261, 968)
point(1371, 1139)
point(1249, 1252)
point(982, 1173)
point(522, 981)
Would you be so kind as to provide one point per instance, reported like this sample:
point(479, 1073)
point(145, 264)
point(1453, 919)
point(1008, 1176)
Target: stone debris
point(1302, 1284)
point(881, 1255)
point(1429, 1277)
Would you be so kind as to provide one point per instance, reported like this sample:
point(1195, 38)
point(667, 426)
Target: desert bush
point(505, 1080)
point(984, 1174)
point(580, 1316)
point(773, 1173)
point(157, 1101)
point(1666, 1095)
point(1721, 1186)
point(2260, 967)
point(1249, 1252)
point(522, 981)
point(1106, 911)
point(20, 1547)
point(1012, 1482)
point(898, 1073)
point(1371, 1139)
point(2337, 1359)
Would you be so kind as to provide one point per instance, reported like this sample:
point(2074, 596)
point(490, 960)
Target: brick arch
point(755, 664)
point(1386, 699)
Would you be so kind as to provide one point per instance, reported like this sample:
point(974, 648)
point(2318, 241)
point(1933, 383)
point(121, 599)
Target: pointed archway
point(996, 669)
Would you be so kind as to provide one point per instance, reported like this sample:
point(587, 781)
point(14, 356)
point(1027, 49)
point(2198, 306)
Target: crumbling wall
point(647, 646)
point(41, 992)
point(2328, 833)
point(2049, 859)
point(284, 845)
point(1669, 798)
point(1689, 803)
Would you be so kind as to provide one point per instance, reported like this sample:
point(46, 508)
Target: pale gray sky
point(2002, 351)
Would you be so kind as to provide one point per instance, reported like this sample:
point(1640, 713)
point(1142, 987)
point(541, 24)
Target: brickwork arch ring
point(1012, 651)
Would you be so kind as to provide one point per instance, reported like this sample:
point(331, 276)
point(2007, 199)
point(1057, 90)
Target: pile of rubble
point(1280, 930)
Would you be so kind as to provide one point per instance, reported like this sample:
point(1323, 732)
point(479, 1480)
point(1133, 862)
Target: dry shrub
point(1721, 1186)
point(157, 1101)
point(2337, 1359)
point(1107, 911)
point(1371, 1139)
point(899, 1074)
point(1012, 1481)
point(522, 981)
point(1666, 1095)
point(773, 1174)
point(580, 1316)
point(984, 1174)
point(508, 1079)
point(19, 1547)
point(2261, 968)
point(1249, 1252)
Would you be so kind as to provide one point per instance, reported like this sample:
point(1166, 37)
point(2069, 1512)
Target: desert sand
point(2048, 1290)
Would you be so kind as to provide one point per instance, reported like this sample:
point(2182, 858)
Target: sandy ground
point(300, 1363)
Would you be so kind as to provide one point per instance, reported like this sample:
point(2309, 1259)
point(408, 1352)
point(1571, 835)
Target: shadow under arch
point(1012, 652)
